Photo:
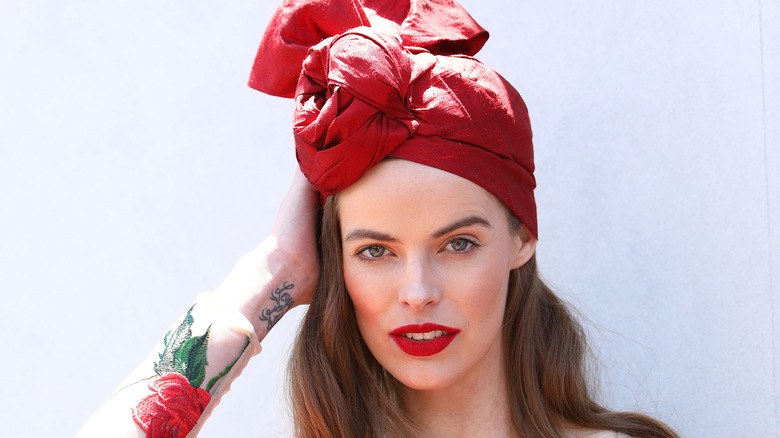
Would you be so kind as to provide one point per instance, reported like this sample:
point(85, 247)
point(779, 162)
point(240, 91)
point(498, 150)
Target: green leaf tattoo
point(173, 341)
point(191, 358)
point(183, 353)
point(186, 354)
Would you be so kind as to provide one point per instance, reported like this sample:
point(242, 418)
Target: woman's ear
point(525, 247)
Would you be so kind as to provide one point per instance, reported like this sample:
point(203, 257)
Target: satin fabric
point(404, 87)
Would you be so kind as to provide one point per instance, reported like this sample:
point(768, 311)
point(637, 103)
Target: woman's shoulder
point(592, 433)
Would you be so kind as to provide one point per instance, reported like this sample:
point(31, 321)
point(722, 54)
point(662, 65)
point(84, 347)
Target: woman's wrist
point(267, 282)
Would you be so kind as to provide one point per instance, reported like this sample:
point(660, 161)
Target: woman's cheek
point(367, 286)
point(371, 301)
point(480, 283)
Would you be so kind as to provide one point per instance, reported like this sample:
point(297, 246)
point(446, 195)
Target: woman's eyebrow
point(360, 233)
point(465, 222)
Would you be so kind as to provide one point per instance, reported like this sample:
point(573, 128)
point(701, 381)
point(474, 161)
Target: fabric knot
point(351, 106)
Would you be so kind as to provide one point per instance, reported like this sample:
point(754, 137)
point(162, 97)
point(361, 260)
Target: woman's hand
point(283, 271)
point(295, 232)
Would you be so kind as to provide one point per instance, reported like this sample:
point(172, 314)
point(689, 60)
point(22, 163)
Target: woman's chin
point(422, 381)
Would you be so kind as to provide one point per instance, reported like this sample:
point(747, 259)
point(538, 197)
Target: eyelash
point(470, 245)
point(362, 252)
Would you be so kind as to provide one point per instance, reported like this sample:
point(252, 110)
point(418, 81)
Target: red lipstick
point(424, 347)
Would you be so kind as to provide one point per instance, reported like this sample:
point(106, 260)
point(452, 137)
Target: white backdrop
point(136, 167)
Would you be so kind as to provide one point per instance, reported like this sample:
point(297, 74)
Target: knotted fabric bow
point(395, 90)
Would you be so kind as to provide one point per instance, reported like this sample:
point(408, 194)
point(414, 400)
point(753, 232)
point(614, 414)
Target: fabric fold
point(373, 79)
point(440, 26)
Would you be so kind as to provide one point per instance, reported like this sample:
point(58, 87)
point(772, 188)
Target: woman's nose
point(418, 286)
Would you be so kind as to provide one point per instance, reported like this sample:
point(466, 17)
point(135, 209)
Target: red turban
point(375, 79)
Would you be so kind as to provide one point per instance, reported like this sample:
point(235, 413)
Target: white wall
point(136, 166)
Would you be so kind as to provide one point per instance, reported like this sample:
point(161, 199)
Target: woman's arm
point(175, 389)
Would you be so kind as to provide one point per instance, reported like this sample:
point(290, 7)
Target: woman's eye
point(373, 252)
point(460, 244)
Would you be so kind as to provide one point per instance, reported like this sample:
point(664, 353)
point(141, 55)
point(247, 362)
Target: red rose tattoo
point(178, 400)
point(173, 409)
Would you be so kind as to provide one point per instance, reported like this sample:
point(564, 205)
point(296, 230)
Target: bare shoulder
point(590, 433)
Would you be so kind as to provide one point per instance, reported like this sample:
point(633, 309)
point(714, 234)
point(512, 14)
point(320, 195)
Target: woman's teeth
point(425, 336)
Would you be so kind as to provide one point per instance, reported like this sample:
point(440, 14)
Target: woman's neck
point(474, 408)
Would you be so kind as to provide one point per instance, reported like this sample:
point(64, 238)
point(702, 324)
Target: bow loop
point(440, 26)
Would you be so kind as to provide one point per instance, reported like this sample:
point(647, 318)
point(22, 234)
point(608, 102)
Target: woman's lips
point(426, 339)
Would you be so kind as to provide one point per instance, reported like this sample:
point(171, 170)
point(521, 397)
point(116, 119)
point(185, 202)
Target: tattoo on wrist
point(281, 302)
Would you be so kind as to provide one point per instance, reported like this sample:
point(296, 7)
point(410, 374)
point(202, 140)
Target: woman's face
point(427, 256)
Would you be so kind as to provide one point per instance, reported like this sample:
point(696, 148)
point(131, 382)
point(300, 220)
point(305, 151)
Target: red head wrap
point(405, 87)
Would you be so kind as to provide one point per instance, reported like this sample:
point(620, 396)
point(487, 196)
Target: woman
point(428, 317)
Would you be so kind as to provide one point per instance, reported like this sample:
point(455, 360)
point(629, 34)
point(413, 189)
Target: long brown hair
point(338, 389)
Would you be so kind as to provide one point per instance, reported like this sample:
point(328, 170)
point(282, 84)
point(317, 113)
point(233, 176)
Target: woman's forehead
point(398, 194)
